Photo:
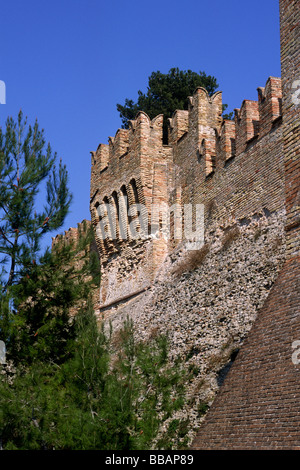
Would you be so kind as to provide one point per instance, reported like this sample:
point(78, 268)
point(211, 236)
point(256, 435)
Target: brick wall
point(134, 165)
point(290, 69)
point(236, 165)
point(258, 406)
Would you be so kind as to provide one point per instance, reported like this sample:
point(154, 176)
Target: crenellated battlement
point(255, 119)
point(201, 127)
point(204, 112)
point(204, 160)
point(246, 124)
point(178, 126)
point(227, 139)
point(141, 134)
point(216, 140)
point(72, 235)
point(270, 104)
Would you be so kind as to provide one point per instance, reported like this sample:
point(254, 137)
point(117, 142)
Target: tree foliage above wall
point(167, 92)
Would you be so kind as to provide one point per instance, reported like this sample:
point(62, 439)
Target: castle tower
point(131, 175)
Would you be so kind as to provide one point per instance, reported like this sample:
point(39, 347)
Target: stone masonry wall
point(207, 301)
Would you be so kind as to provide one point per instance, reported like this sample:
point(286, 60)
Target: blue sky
point(69, 62)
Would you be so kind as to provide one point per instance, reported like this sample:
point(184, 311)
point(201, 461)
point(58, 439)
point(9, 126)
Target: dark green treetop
point(167, 93)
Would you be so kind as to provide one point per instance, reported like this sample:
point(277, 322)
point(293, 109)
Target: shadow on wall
point(226, 368)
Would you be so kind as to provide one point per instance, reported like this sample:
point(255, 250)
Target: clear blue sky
point(69, 62)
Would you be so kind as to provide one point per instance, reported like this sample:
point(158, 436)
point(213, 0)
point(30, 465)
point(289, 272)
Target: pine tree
point(27, 166)
point(70, 384)
point(107, 396)
point(167, 92)
point(37, 325)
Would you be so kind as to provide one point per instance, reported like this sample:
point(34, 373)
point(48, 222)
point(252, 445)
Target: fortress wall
point(290, 69)
point(229, 295)
point(258, 405)
point(235, 168)
point(209, 305)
